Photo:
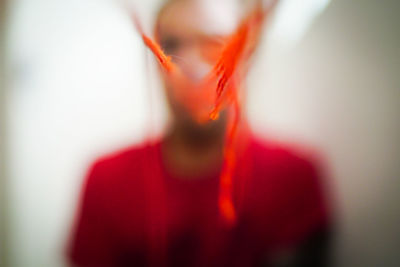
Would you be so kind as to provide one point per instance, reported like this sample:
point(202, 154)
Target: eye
point(170, 45)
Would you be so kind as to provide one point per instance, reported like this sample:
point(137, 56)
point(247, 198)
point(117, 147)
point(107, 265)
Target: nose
point(194, 65)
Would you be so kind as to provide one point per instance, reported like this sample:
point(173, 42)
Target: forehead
point(208, 17)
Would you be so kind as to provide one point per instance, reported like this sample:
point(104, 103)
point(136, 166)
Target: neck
point(191, 151)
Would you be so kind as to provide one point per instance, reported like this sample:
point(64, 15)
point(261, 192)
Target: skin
point(191, 149)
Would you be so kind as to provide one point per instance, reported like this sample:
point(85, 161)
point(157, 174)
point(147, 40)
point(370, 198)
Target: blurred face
point(192, 33)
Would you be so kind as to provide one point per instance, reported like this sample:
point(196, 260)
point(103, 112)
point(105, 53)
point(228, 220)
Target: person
point(155, 204)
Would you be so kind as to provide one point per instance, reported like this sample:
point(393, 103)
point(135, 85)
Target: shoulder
point(271, 155)
point(118, 165)
point(290, 172)
point(121, 157)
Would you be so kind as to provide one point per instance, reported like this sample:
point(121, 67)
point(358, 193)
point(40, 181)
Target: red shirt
point(133, 212)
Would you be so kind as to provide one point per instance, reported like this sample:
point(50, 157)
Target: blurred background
point(75, 84)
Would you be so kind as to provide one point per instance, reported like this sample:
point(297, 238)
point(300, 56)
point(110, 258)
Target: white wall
point(78, 88)
point(76, 91)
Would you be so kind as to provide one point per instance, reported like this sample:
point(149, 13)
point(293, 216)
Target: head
point(192, 33)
